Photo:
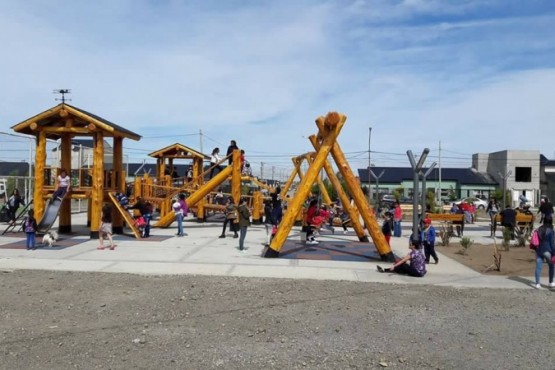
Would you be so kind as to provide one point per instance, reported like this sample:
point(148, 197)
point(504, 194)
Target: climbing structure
point(64, 122)
point(325, 143)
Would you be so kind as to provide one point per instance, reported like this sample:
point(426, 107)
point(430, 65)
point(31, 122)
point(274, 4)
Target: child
point(429, 240)
point(30, 230)
point(106, 227)
point(387, 226)
point(63, 185)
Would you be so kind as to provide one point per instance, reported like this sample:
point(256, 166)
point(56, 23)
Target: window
point(523, 174)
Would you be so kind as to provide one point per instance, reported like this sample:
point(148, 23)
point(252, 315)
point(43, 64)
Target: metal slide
point(50, 215)
point(129, 220)
point(200, 193)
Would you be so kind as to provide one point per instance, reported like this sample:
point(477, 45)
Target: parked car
point(478, 203)
point(388, 200)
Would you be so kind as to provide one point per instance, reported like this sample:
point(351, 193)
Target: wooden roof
point(178, 151)
point(64, 118)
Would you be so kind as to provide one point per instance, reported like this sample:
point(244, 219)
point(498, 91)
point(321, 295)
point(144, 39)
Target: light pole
point(504, 177)
point(377, 186)
point(369, 166)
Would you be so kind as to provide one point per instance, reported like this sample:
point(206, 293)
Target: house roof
point(52, 118)
point(14, 168)
point(396, 175)
point(544, 161)
point(178, 151)
point(85, 144)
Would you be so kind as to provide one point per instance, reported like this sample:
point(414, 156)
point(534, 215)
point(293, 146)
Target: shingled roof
point(396, 175)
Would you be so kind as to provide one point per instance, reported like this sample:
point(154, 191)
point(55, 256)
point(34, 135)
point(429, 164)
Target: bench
point(449, 219)
point(523, 222)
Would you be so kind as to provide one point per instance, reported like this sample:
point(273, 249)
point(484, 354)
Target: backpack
point(534, 240)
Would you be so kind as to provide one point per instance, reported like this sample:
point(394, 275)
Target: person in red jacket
point(311, 213)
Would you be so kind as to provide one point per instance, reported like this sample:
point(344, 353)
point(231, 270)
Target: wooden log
point(65, 209)
point(256, 207)
point(345, 201)
point(289, 181)
point(40, 163)
point(321, 186)
point(303, 191)
point(98, 181)
point(67, 130)
point(358, 196)
point(118, 182)
point(236, 176)
point(33, 126)
point(63, 113)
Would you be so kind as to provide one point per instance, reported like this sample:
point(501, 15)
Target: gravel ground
point(69, 320)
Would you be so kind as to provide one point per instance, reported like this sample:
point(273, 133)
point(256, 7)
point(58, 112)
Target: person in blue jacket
point(429, 241)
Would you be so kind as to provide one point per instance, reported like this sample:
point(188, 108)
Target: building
point(518, 171)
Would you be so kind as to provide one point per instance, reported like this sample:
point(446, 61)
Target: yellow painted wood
point(256, 206)
point(343, 197)
point(124, 214)
point(97, 194)
point(295, 206)
point(325, 196)
point(236, 176)
point(119, 177)
point(359, 199)
point(289, 181)
point(65, 209)
point(33, 126)
point(40, 163)
point(198, 194)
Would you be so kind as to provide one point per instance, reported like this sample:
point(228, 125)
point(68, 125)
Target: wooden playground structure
point(65, 122)
point(325, 143)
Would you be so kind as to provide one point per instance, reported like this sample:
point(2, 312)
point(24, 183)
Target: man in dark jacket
point(509, 219)
point(232, 146)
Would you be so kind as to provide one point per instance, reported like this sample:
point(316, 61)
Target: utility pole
point(369, 166)
point(377, 186)
point(200, 137)
point(504, 176)
point(261, 170)
point(439, 170)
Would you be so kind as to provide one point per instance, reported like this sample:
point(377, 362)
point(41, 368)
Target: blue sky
point(476, 75)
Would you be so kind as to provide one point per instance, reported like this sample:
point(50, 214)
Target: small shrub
point(466, 243)
point(445, 233)
point(508, 234)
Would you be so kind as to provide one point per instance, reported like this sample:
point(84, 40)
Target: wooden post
point(325, 196)
point(334, 122)
point(97, 197)
point(353, 215)
point(162, 172)
point(290, 180)
point(256, 205)
point(137, 188)
point(40, 163)
point(65, 209)
point(236, 177)
point(360, 200)
point(118, 183)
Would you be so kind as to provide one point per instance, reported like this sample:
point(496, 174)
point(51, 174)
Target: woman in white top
point(64, 182)
point(214, 159)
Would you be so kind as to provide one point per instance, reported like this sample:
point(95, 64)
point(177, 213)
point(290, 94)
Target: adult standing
point(546, 209)
point(230, 218)
point(244, 222)
point(397, 218)
point(14, 202)
point(214, 160)
point(268, 221)
point(545, 251)
point(509, 219)
point(492, 211)
point(232, 146)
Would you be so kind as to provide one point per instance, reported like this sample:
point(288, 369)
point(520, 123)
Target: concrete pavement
point(203, 253)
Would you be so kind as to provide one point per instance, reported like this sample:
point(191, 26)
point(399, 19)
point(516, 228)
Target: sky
point(475, 75)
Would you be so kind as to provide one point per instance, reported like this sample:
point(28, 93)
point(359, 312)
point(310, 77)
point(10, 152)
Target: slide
point(129, 220)
point(50, 215)
point(200, 193)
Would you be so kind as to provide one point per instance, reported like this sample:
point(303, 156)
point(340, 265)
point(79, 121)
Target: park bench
point(447, 221)
point(524, 222)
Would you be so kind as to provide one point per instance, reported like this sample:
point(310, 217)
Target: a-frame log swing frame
point(326, 143)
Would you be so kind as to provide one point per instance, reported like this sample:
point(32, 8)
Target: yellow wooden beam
point(236, 176)
point(98, 183)
point(40, 162)
point(335, 123)
point(358, 196)
point(65, 209)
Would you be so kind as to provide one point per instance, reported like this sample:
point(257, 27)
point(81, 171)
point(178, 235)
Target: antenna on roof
point(63, 92)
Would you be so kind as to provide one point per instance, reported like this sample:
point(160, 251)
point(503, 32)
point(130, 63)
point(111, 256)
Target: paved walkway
point(203, 253)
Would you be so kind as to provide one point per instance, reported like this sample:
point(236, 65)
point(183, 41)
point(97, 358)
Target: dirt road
point(67, 320)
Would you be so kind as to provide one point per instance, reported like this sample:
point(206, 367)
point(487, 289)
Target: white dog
point(49, 238)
